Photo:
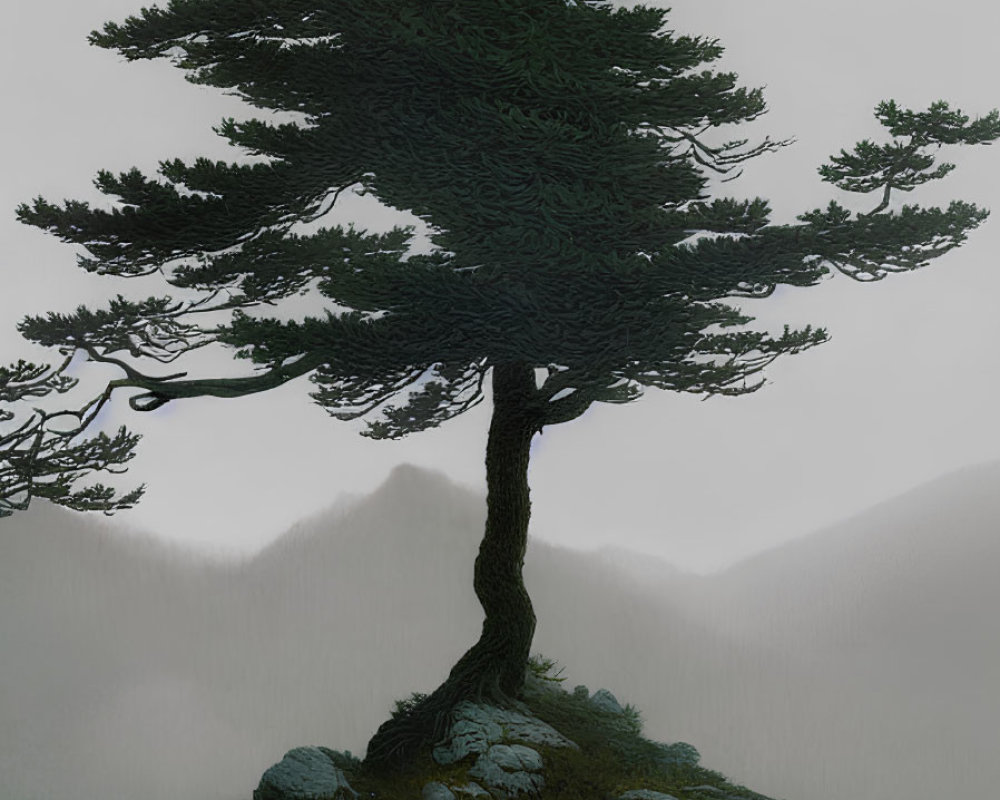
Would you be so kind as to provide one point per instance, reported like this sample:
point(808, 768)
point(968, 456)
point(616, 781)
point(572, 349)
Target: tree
point(559, 149)
point(42, 460)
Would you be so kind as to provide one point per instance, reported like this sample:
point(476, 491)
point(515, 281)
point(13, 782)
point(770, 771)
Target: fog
point(861, 661)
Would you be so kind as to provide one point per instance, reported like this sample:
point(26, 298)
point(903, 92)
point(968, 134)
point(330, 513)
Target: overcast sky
point(905, 391)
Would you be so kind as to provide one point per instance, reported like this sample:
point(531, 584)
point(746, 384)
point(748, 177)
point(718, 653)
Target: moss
point(408, 783)
point(613, 758)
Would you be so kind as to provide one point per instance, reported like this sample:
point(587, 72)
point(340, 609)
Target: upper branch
point(904, 165)
point(161, 390)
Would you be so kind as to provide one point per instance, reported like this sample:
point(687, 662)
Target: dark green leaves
point(148, 328)
point(872, 167)
point(939, 124)
point(27, 379)
point(872, 245)
point(560, 155)
point(904, 165)
point(49, 466)
point(39, 459)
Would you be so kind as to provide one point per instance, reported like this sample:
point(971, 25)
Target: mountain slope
point(833, 667)
point(882, 639)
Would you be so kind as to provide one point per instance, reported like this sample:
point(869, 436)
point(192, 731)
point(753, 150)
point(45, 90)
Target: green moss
point(407, 784)
point(613, 758)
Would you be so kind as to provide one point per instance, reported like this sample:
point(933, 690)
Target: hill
point(839, 665)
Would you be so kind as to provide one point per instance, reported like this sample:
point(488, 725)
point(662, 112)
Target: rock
point(343, 760)
point(436, 791)
point(305, 773)
point(476, 727)
point(606, 701)
point(495, 747)
point(512, 769)
point(471, 790)
point(495, 736)
point(602, 698)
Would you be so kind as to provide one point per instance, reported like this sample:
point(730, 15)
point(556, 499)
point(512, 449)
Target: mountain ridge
point(106, 638)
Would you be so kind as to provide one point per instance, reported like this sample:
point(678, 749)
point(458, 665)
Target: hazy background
point(859, 662)
point(903, 393)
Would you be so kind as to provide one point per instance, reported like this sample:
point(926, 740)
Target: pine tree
point(40, 458)
point(560, 150)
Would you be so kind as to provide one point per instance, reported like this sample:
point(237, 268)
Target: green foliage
point(871, 167)
point(541, 668)
point(905, 165)
point(939, 124)
point(593, 727)
point(26, 379)
point(39, 461)
point(405, 707)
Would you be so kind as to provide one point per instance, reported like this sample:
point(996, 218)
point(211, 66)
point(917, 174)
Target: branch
point(586, 389)
point(35, 451)
point(38, 461)
point(25, 379)
point(566, 408)
point(160, 392)
point(321, 211)
point(885, 200)
point(721, 159)
point(375, 400)
point(434, 404)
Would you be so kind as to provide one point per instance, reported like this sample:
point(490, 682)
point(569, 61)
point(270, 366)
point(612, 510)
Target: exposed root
point(400, 739)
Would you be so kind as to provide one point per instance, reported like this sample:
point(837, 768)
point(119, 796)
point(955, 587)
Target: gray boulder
point(471, 791)
point(496, 743)
point(305, 773)
point(513, 769)
point(605, 701)
point(476, 727)
point(436, 791)
point(496, 736)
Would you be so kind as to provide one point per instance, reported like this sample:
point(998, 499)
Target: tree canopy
point(560, 152)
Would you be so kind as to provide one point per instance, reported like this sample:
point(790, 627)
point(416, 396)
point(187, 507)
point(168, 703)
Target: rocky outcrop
point(604, 700)
point(499, 743)
point(504, 764)
point(305, 773)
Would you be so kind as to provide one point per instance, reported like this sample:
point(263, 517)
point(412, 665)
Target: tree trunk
point(493, 669)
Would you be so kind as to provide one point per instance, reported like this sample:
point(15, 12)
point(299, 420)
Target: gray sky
point(903, 393)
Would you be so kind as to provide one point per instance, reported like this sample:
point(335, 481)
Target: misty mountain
point(924, 561)
point(860, 661)
point(875, 644)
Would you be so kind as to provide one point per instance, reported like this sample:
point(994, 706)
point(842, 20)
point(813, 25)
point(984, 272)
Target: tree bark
point(493, 669)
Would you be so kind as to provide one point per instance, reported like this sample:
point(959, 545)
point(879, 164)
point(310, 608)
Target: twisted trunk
point(492, 670)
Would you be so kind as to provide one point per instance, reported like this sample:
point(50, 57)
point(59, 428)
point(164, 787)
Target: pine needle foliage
point(558, 150)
